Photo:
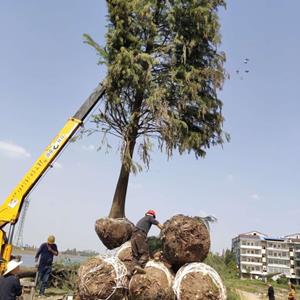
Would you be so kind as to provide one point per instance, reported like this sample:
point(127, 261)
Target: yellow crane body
point(11, 207)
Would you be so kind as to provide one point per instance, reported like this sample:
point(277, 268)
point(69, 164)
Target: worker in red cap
point(139, 246)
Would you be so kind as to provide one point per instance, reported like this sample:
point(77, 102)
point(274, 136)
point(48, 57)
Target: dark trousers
point(139, 248)
point(44, 274)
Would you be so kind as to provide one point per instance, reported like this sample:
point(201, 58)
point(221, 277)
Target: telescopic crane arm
point(11, 208)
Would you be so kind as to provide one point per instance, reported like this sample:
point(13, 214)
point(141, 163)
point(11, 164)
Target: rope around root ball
point(198, 268)
point(161, 267)
point(118, 268)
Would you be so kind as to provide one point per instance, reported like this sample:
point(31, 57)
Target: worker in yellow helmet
point(45, 256)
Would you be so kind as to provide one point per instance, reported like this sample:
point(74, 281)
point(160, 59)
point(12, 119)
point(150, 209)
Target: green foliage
point(224, 265)
point(74, 251)
point(283, 280)
point(226, 268)
point(164, 71)
point(229, 258)
point(232, 295)
point(64, 276)
point(154, 244)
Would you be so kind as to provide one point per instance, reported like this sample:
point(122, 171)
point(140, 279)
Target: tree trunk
point(118, 205)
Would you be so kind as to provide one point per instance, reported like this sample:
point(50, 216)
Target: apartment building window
point(273, 261)
point(278, 270)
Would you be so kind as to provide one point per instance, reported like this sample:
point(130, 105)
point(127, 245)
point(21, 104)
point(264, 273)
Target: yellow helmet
point(51, 239)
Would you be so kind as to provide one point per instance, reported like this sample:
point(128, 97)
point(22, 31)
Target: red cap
point(151, 212)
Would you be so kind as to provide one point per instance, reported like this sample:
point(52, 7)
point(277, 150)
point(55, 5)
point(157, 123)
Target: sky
point(251, 183)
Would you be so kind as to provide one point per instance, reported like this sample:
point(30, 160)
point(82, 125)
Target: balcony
point(252, 272)
point(279, 266)
point(251, 247)
point(279, 257)
point(251, 263)
point(278, 249)
point(250, 255)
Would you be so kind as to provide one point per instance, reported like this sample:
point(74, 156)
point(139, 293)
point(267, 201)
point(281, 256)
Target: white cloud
point(12, 150)
point(88, 147)
point(255, 197)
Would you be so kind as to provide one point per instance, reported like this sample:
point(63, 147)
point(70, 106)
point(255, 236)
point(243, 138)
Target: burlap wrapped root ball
point(114, 232)
point(155, 284)
point(198, 281)
point(185, 240)
point(102, 278)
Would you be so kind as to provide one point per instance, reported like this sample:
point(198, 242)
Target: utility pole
point(19, 236)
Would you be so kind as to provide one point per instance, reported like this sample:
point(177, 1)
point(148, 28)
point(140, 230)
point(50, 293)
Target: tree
point(163, 73)
point(229, 257)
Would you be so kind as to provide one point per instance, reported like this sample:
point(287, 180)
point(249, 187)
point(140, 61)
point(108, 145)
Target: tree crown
point(163, 73)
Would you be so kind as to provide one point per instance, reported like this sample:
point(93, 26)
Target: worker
point(10, 287)
point(139, 246)
point(45, 253)
point(292, 292)
point(271, 293)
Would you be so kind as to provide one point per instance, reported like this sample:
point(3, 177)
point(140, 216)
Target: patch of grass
point(255, 287)
point(232, 295)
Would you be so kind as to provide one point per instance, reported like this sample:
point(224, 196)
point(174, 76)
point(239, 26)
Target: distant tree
point(282, 280)
point(229, 257)
point(163, 73)
point(154, 244)
point(225, 265)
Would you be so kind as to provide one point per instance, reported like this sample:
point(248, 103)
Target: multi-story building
point(259, 255)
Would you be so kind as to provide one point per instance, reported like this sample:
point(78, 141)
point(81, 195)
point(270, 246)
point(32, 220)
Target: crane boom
point(11, 208)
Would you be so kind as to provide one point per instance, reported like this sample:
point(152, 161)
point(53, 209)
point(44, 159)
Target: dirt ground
point(252, 296)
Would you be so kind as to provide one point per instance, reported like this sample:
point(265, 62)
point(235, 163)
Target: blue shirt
point(46, 256)
point(10, 287)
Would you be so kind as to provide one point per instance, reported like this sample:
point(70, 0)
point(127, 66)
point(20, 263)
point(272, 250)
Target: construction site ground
point(256, 289)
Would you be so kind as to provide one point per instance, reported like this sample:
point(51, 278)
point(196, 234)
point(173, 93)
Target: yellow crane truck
point(11, 207)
